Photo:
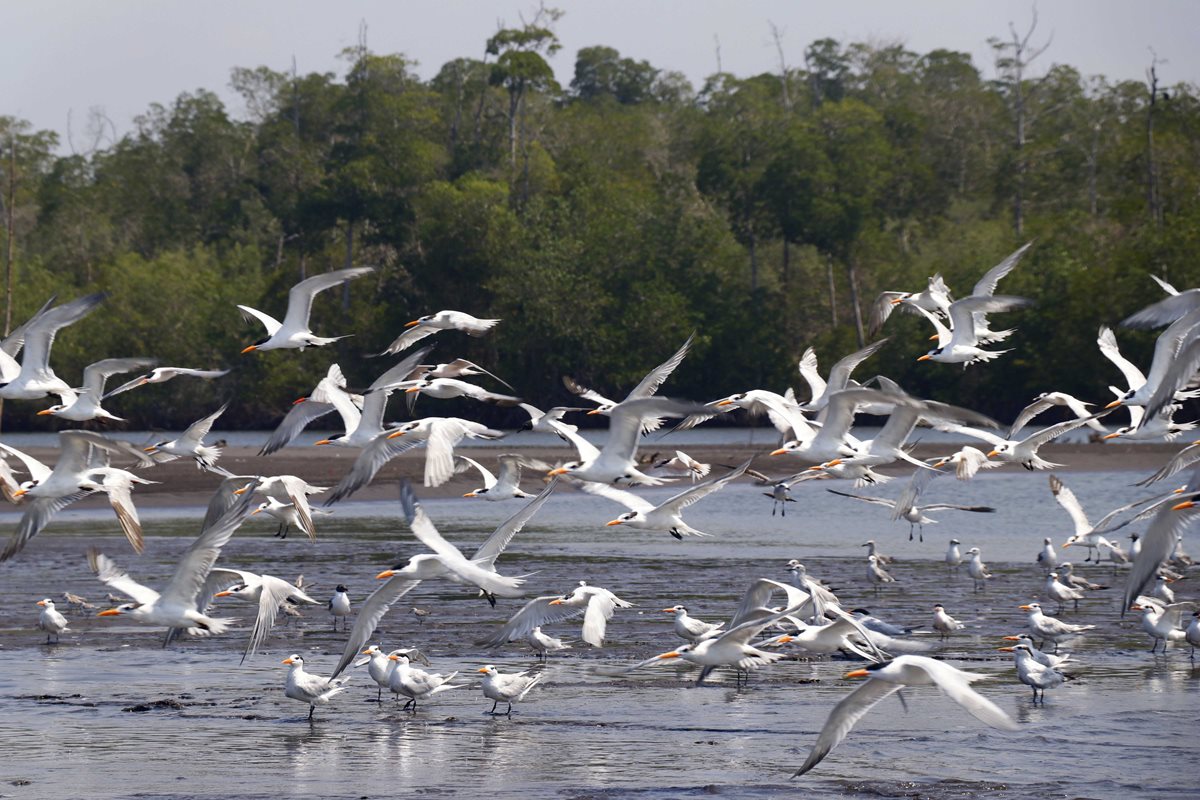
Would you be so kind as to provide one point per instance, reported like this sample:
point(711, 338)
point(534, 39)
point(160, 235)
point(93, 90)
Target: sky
point(62, 58)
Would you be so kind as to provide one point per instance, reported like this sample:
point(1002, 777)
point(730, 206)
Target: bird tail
point(206, 457)
point(537, 679)
point(212, 626)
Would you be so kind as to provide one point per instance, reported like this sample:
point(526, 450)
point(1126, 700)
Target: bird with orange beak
point(430, 324)
point(51, 621)
point(309, 688)
point(294, 333)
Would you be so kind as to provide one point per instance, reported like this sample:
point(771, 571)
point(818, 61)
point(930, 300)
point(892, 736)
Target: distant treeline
point(605, 220)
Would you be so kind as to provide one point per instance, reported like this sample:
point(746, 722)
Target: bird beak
point(856, 673)
point(20, 492)
point(1112, 435)
point(779, 452)
point(613, 522)
point(226, 593)
point(44, 412)
point(833, 463)
point(396, 433)
point(298, 402)
point(1012, 638)
point(897, 301)
point(111, 612)
point(393, 658)
point(251, 349)
point(672, 654)
point(1066, 544)
point(817, 468)
point(667, 610)
point(925, 357)
point(784, 639)
point(725, 403)
point(324, 441)
point(286, 661)
point(255, 511)
point(1183, 505)
point(387, 573)
point(1004, 649)
point(557, 602)
point(412, 389)
point(1025, 608)
point(559, 471)
point(1135, 607)
point(41, 602)
point(469, 494)
point(482, 669)
point(1113, 404)
point(1180, 490)
point(992, 453)
point(933, 338)
point(149, 449)
point(593, 412)
point(940, 464)
point(414, 322)
point(241, 490)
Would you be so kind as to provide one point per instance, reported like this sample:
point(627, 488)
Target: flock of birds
point(817, 441)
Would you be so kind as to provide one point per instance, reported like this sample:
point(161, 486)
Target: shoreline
point(180, 483)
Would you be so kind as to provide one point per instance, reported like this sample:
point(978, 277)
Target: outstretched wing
point(844, 717)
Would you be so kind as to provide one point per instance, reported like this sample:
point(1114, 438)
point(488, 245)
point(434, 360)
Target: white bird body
point(690, 628)
point(1034, 674)
point(943, 623)
point(309, 688)
point(1045, 659)
point(596, 604)
point(266, 592)
point(82, 467)
point(953, 557)
point(959, 344)
point(85, 405)
point(339, 605)
point(36, 378)
point(191, 443)
point(1060, 592)
point(417, 684)
point(876, 574)
point(164, 374)
point(1162, 622)
point(498, 686)
point(892, 676)
point(430, 324)
point(51, 620)
point(179, 604)
point(449, 388)
point(616, 462)
point(500, 487)
point(1046, 558)
point(294, 332)
point(668, 515)
point(543, 643)
point(1050, 629)
point(977, 569)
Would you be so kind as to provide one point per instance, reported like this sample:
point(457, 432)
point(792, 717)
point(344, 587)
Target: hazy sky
point(62, 58)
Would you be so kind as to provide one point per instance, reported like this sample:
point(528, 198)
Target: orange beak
point(1113, 404)
point(925, 357)
point(226, 593)
point(1004, 649)
point(1012, 638)
point(414, 322)
point(365, 653)
point(255, 511)
point(412, 389)
point(45, 412)
point(1111, 435)
point(933, 338)
point(41, 603)
point(1025, 608)
point(613, 522)
point(671, 654)
point(298, 402)
point(940, 464)
point(593, 412)
point(856, 673)
point(897, 301)
point(469, 494)
point(111, 612)
point(666, 610)
point(559, 471)
point(251, 349)
point(387, 573)
point(482, 669)
point(287, 661)
point(149, 449)
point(725, 403)
point(397, 433)
point(779, 452)
point(20, 492)
point(1135, 607)
point(993, 453)
point(323, 441)
point(1183, 505)
point(557, 602)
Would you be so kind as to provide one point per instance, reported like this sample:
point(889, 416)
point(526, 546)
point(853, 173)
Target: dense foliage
point(607, 219)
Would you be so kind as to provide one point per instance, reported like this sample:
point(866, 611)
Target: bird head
point(622, 519)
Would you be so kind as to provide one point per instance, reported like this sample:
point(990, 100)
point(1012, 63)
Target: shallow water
point(207, 727)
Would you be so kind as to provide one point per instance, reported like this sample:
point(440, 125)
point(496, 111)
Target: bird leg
point(311, 709)
point(677, 534)
point(494, 704)
point(491, 598)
